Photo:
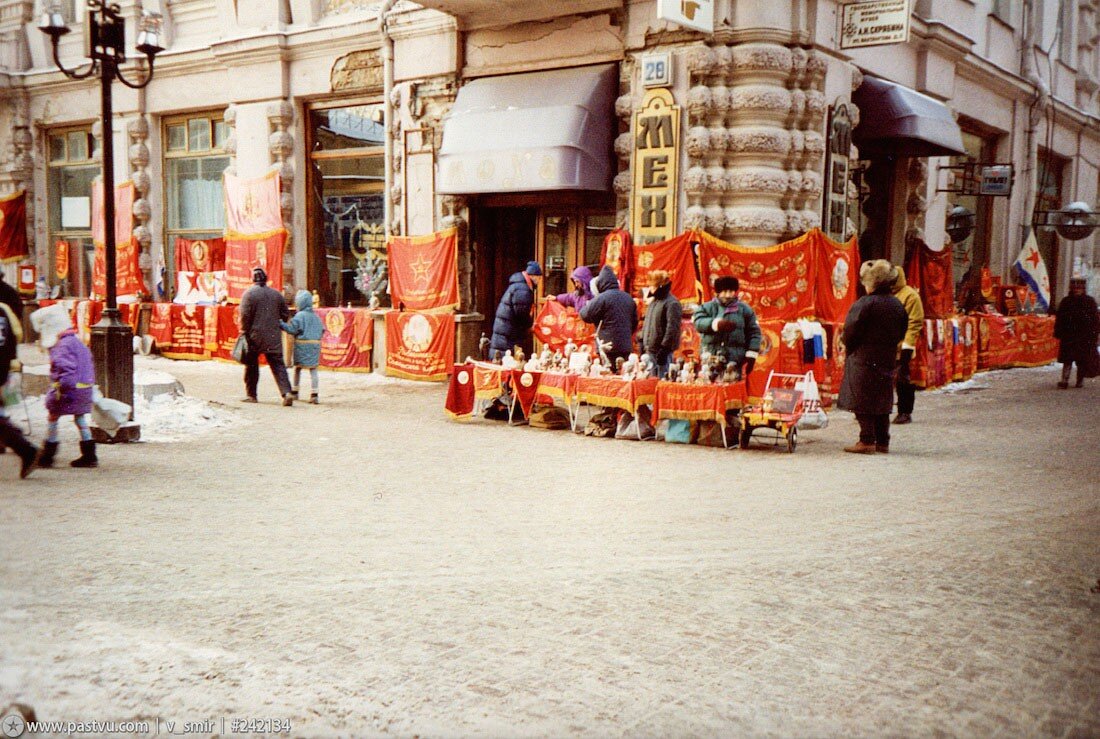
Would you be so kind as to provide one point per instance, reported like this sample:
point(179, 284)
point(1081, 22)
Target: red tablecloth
point(558, 386)
point(1016, 341)
point(615, 392)
point(697, 402)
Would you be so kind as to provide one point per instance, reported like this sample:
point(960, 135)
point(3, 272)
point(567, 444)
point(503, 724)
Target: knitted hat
point(50, 322)
point(726, 283)
point(877, 273)
point(259, 276)
point(533, 269)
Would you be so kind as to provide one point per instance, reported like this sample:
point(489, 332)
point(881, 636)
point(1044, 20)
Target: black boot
point(13, 438)
point(45, 457)
point(87, 456)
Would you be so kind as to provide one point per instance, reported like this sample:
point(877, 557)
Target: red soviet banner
point(557, 324)
point(252, 206)
point(242, 253)
point(188, 328)
point(775, 280)
point(128, 279)
point(424, 271)
point(460, 392)
point(675, 257)
point(420, 346)
point(160, 325)
point(931, 273)
point(618, 254)
point(348, 339)
point(200, 255)
point(61, 259)
point(13, 227)
point(836, 274)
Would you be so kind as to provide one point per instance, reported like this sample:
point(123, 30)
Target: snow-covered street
point(367, 566)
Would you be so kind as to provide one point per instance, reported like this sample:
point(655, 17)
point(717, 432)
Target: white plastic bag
point(813, 415)
point(109, 414)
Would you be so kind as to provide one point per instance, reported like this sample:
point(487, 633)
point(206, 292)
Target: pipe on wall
point(387, 110)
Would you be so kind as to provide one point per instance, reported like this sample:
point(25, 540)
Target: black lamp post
point(112, 340)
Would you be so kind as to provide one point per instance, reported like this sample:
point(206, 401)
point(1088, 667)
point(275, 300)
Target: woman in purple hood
point(582, 289)
point(73, 376)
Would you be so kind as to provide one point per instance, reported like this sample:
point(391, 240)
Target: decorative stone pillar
point(454, 209)
point(230, 118)
point(280, 116)
point(916, 204)
point(623, 182)
point(20, 169)
point(138, 155)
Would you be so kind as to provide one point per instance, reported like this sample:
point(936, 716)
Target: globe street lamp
point(112, 340)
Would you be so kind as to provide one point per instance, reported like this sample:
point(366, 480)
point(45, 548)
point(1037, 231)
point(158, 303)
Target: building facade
point(536, 128)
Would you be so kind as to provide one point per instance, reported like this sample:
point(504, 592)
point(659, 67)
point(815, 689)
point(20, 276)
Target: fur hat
point(658, 277)
point(50, 322)
point(726, 283)
point(259, 276)
point(877, 273)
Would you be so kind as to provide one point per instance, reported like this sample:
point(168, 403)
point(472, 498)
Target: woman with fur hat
point(73, 375)
point(875, 325)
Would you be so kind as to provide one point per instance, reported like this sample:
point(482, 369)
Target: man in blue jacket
point(614, 312)
point(513, 320)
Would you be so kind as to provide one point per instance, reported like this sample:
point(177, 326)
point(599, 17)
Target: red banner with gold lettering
point(776, 281)
point(160, 326)
point(931, 273)
point(618, 254)
point(252, 206)
point(242, 253)
point(188, 328)
point(836, 274)
point(424, 271)
point(61, 259)
point(557, 324)
point(128, 279)
point(420, 346)
point(13, 227)
point(673, 256)
point(200, 255)
point(348, 339)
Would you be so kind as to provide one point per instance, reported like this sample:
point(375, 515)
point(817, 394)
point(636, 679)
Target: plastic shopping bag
point(813, 414)
point(109, 414)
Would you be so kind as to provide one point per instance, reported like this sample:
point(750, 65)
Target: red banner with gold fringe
point(128, 278)
point(618, 254)
point(200, 255)
point(420, 346)
point(13, 227)
point(242, 253)
point(348, 338)
point(424, 271)
point(673, 256)
point(931, 273)
point(776, 281)
point(557, 324)
point(252, 205)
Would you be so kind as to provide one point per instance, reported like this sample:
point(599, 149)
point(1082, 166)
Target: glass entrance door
point(567, 239)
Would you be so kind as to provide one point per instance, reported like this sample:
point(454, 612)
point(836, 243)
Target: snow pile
point(981, 381)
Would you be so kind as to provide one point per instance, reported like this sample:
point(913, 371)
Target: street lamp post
point(112, 340)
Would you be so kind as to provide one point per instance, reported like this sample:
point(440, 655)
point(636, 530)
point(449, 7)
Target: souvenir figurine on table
point(580, 361)
point(570, 347)
point(730, 375)
point(544, 357)
point(620, 362)
point(508, 361)
point(631, 367)
point(532, 365)
point(687, 375)
point(483, 347)
point(557, 362)
point(518, 354)
point(646, 367)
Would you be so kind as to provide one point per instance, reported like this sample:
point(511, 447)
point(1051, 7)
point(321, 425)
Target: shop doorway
point(567, 239)
point(504, 241)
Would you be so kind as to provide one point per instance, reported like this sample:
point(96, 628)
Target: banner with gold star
point(424, 271)
point(13, 227)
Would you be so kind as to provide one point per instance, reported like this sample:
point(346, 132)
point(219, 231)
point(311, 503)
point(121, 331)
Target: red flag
point(128, 279)
point(61, 259)
point(836, 273)
point(932, 274)
point(460, 393)
point(420, 346)
point(618, 254)
point(776, 281)
point(13, 227)
point(242, 253)
point(675, 257)
point(188, 327)
point(424, 271)
point(348, 338)
point(160, 325)
point(557, 324)
point(526, 386)
point(200, 255)
point(252, 206)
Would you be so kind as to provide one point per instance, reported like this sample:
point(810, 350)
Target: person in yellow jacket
point(907, 391)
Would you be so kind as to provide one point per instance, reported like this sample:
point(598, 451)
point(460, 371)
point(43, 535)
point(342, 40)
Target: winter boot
point(29, 459)
point(46, 455)
point(87, 456)
point(860, 447)
point(313, 399)
point(294, 394)
point(288, 400)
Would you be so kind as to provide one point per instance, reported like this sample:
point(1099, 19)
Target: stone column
point(280, 116)
point(138, 155)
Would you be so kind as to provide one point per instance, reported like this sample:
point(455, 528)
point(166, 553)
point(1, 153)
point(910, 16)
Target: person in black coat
point(614, 313)
point(874, 327)
point(661, 329)
point(262, 308)
point(10, 297)
point(513, 319)
point(11, 332)
point(1076, 326)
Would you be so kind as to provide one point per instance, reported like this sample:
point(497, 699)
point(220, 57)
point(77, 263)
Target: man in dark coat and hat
point(262, 308)
point(1076, 326)
point(614, 313)
point(874, 327)
point(513, 320)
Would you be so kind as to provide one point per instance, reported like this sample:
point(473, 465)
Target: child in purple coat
point(73, 375)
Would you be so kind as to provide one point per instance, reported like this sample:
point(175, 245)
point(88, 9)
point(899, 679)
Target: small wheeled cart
point(780, 410)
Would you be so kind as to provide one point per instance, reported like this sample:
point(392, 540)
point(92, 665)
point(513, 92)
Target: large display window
point(71, 169)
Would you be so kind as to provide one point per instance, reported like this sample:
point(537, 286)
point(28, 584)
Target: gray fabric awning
point(528, 132)
point(895, 119)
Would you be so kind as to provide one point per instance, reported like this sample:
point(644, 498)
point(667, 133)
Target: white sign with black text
point(874, 23)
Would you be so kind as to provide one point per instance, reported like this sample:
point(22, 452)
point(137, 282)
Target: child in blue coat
point(307, 329)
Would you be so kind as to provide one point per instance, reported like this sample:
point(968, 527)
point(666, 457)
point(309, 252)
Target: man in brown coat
point(262, 308)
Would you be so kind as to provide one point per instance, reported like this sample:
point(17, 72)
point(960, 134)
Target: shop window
point(194, 160)
point(346, 211)
point(70, 172)
point(972, 253)
point(1049, 197)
